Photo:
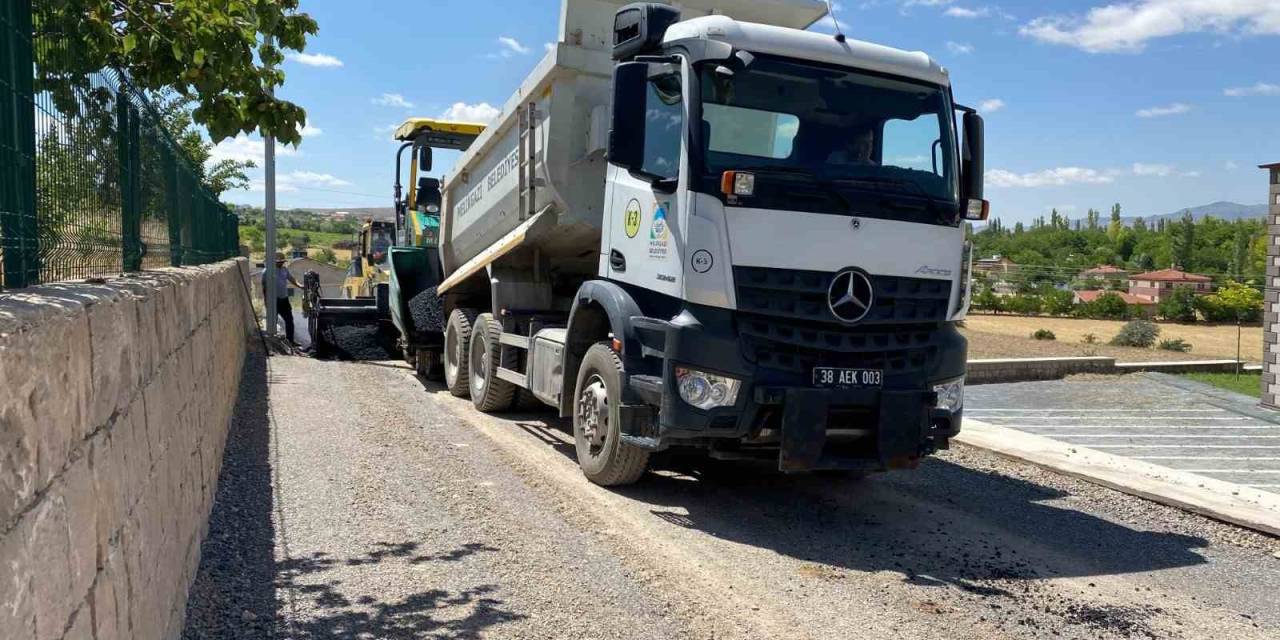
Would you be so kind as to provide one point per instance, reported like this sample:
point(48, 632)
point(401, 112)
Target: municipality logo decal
point(658, 231)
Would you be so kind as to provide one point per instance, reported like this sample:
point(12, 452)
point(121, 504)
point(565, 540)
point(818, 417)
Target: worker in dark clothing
point(283, 280)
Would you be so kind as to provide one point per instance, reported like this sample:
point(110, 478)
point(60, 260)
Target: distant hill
point(1220, 210)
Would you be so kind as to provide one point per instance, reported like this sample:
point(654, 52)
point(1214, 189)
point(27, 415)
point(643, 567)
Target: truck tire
point(457, 343)
point(525, 401)
point(604, 458)
point(488, 392)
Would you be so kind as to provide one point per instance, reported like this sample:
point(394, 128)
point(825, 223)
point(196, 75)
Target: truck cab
point(803, 200)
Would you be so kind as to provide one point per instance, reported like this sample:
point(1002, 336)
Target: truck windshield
point(863, 140)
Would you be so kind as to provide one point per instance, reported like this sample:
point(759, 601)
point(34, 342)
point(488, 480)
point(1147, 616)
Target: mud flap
point(804, 429)
point(904, 420)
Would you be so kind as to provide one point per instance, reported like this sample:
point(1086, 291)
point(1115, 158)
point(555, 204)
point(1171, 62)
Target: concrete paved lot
point(1154, 418)
point(360, 502)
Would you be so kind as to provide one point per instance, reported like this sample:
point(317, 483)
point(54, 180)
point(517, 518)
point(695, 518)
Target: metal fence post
point(19, 232)
point(130, 210)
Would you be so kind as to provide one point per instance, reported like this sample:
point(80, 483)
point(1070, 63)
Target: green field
point(318, 238)
point(1248, 383)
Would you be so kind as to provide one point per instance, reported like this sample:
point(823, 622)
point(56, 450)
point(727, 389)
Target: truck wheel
point(605, 459)
point(488, 392)
point(457, 340)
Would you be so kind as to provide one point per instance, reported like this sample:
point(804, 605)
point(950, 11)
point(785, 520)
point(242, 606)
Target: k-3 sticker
point(631, 218)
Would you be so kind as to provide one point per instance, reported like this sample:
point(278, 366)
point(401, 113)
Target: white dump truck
point(701, 224)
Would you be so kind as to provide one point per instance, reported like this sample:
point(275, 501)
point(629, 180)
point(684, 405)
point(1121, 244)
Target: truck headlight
point(950, 395)
point(706, 390)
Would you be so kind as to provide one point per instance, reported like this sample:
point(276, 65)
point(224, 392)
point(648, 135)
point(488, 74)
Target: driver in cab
point(858, 151)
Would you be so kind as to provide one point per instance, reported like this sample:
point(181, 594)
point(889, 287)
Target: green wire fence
point(91, 183)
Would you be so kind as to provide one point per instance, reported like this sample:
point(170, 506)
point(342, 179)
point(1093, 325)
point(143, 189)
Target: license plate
point(832, 377)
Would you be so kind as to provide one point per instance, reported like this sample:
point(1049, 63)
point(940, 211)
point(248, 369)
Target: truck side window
point(665, 126)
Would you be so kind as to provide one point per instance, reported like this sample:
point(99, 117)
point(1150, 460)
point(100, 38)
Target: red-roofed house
point(1102, 272)
point(1158, 285)
point(1147, 306)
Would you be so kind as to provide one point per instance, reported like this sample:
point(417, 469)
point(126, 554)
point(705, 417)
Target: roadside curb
point(1225, 501)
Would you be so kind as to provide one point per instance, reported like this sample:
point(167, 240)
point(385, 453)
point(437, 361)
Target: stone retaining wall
point(115, 400)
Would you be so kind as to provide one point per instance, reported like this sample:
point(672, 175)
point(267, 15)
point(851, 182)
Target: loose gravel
point(395, 510)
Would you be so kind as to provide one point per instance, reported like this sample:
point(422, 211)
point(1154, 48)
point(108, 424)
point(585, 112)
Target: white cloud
point(991, 106)
point(1057, 177)
point(393, 100)
point(242, 148)
point(1129, 26)
point(1190, 174)
point(1230, 166)
point(310, 131)
point(549, 46)
point(1159, 170)
point(1174, 109)
point(482, 113)
point(1259, 89)
point(295, 181)
point(511, 47)
point(959, 48)
point(314, 59)
point(964, 12)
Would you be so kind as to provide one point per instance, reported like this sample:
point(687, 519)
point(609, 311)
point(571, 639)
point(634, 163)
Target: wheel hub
point(593, 412)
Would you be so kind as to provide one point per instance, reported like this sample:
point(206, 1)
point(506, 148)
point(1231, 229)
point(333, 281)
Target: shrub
point(1023, 304)
point(1107, 306)
point(1057, 303)
point(1180, 306)
point(1044, 334)
point(1137, 333)
point(1174, 344)
point(1090, 338)
point(1234, 301)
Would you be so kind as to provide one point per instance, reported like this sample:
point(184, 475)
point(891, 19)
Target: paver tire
point(457, 342)
point(604, 458)
point(488, 391)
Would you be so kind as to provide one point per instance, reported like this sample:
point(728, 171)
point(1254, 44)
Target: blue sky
point(1156, 104)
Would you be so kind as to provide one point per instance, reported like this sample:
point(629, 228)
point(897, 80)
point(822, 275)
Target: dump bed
point(489, 209)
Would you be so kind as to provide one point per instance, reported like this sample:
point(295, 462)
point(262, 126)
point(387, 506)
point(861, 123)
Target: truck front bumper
point(779, 413)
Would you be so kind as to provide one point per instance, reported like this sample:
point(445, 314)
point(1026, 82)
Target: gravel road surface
point(359, 502)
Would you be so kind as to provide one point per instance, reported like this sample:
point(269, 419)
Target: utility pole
point(269, 261)
point(269, 168)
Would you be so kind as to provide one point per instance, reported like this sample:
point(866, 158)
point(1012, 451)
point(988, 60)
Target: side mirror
point(974, 168)
point(626, 136)
point(429, 197)
point(424, 159)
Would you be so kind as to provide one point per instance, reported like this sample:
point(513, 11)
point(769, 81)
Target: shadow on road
point(943, 524)
point(241, 591)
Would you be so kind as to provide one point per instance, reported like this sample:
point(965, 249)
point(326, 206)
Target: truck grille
point(785, 323)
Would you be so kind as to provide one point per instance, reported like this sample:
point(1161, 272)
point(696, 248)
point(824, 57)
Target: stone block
point(77, 493)
point(50, 549)
point(46, 382)
point(106, 461)
point(112, 331)
point(17, 606)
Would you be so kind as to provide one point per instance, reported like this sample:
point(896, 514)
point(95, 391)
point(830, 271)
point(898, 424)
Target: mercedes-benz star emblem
point(850, 296)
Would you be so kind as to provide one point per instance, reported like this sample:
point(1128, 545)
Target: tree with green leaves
point(224, 56)
point(1183, 242)
point(1240, 252)
point(1180, 306)
point(219, 177)
point(1116, 225)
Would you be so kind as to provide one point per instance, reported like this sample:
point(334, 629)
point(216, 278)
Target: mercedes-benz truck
point(705, 225)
